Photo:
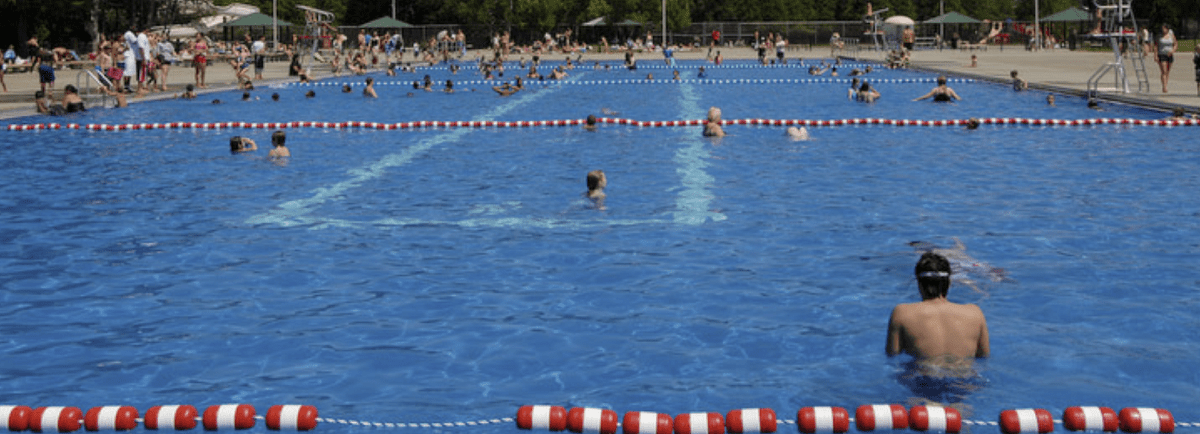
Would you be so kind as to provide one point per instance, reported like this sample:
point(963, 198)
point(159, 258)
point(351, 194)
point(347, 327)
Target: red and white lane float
point(111, 418)
point(1026, 421)
point(292, 417)
point(823, 420)
point(592, 420)
point(171, 417)
point(645, 422)
point(935, 418)
point(872, 417)
point(55, 419)
point(549, 417)
point(1140, 419)
point(700, 423)
point(1090, 419)
point(751, 420)
point(14, 417)
point(229, 416)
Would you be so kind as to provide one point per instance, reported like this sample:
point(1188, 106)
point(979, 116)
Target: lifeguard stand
point(316, 22)
point(1120, 30)
point(874, 19)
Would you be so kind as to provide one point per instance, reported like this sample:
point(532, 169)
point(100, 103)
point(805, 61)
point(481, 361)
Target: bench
point(929, 43)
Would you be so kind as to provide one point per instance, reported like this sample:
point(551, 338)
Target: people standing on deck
point(1166, 54)
point(200, 59)
point(935, 329)
point(1196, 65)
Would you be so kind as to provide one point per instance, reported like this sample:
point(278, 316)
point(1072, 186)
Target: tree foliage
point(75, 22)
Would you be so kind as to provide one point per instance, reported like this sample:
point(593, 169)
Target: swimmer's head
point(714, 114)
point(591, 120)
point(1050, 99)
point(310, 94)
point(1178, 112)
point(235, 143)
point(941, 80)
point(245, 96)
point(370, 80)
point(596, 180)
point(1013, 74)
point(933, 275)
point(866, 87)
point(190, 88)
point(278, 138)
point(346, 88)
point(973, 123)
point(275, 96)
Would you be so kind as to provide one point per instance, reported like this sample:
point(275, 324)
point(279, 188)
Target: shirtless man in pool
point(935, 329)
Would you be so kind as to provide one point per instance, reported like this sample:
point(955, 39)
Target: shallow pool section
point(455, 274)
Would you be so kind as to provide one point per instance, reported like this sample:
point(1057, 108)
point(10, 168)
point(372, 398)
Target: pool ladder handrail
point(85, 87)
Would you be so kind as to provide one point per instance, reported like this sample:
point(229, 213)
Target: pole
point(942, 25)
point(664, 24)
point(275, 24)
point(393, 9)
point(1037, 26)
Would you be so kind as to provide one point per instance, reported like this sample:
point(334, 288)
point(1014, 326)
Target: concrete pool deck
point(1053, 70)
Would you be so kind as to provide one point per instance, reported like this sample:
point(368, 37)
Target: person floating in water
point(967, 269)
point(596, 181)
point(941, 93)
point(936, 330)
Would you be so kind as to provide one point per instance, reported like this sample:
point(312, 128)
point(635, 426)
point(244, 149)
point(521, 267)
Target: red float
point(551, 417)
point(596, 420)
point(751, 420)
point(1090, 419)
point(55, 419)
point(872, 417)
point(229, 416)
point(14, 417)
point(1142, 419)
point(822, 419)
point(292, 417)
point(699, 423)
point(1026, 421)
point(644, 422)
point(119, 418)
point(176, 417)
point(935, 418)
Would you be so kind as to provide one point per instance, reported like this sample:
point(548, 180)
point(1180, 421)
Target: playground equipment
point(1119, 28)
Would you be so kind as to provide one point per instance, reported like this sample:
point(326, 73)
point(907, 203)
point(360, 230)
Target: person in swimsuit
point(713, 127)
point(71, 100)
point(46, 70)
point(866, 93)
point(280, 150)
point(369, 91)
point(941, 93)
point(935, 330)
point(596, 181)
point(239, 144)
point(200, 59)
point(1166, 54)
point(1018, 83)
point(1196, 65)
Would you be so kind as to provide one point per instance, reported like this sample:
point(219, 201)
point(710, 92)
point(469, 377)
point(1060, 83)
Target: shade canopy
point(952, 18)
point(1069, 14)
point(385, 23)
point(254, 20)
point(900, 20)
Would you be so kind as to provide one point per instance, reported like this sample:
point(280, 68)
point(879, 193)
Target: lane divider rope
point(611, 121)
point(660, 80)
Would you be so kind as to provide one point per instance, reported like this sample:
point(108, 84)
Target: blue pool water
point(438, 275)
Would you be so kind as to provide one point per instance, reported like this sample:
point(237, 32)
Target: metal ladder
point(1121, 30)
point(85, 87)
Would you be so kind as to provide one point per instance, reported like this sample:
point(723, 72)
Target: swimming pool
point(454, 274)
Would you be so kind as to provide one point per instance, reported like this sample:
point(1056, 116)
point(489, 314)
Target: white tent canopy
point(900, 20)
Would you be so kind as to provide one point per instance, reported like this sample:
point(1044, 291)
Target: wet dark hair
point(941, 80)
point(190, 88)
point(245, 96)
point(310, 94)
point(591, 120)
point(275, 96)
point(865, 87)
point(278, 138)
point(235, 143)
point(933, 275)
point(71, 89)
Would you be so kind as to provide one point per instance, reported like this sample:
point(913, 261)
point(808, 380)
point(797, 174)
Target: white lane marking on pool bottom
point(694, 201)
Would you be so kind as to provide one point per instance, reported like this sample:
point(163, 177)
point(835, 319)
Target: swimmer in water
point(1018, 84)
point(369, 91)
point(596, 181)
point(966, 268)
point(590, 123)
point(713, 127)
point(941, 93)
point(797, 133)
point(239, 144)
point(935, 330)
point(277, 140)
point(1050, 100)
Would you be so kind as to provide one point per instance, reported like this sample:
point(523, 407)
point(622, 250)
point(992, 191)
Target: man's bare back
point(937, 328)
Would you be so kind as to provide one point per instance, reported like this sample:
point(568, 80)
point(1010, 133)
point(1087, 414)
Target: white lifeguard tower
point(1120, 30)
point(874, 20)
point(316, 23)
